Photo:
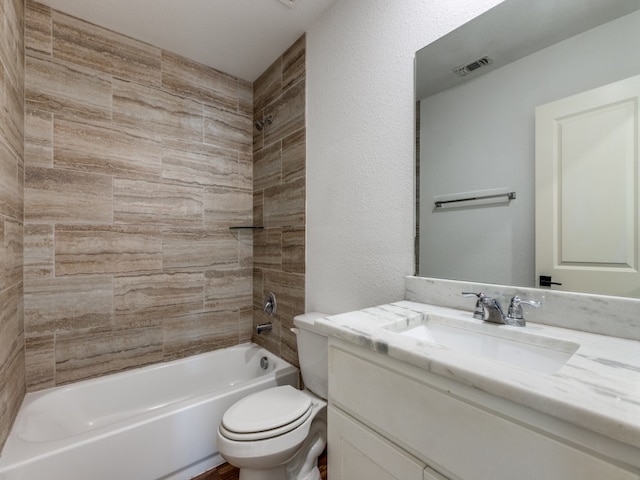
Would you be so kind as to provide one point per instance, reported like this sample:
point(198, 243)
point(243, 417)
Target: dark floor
point(228, 472)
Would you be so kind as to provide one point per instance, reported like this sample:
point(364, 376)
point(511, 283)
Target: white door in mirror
point(588, 190)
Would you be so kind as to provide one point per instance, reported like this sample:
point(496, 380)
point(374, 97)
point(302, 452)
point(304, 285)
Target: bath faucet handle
point(515, 309)
point(270, 304)
point(479, 311)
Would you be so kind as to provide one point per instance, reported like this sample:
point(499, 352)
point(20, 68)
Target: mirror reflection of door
point(588, 190)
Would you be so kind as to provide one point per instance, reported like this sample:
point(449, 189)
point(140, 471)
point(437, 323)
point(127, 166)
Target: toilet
point(278, 433)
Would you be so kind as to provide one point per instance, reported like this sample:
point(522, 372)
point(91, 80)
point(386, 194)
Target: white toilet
point(278, 433)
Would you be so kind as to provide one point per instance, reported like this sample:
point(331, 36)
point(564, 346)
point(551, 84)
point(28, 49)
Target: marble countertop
point(598, 388)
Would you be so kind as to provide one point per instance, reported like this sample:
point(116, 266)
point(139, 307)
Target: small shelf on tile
point(245, 227)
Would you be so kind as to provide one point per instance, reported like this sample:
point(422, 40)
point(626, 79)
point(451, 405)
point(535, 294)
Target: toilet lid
point(267, 410)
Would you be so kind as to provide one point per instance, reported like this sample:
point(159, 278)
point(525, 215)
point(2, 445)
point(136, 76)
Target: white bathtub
point(156, 422)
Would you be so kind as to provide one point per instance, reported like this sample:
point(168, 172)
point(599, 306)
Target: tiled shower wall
point(137, 162)
point(279, 198)
point(12, 376)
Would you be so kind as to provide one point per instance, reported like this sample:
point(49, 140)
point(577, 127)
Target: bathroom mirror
point(476, 132)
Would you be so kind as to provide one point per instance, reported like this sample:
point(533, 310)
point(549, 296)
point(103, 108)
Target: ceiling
point(238, 37)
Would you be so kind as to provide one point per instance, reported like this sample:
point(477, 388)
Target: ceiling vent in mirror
point(470, 67)
point(290, 3)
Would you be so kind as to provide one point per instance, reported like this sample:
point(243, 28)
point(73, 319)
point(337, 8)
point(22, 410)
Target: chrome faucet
point(490, 310)
point(515, 315)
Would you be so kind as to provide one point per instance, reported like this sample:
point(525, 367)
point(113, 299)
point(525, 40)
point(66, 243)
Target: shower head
point(261, 123)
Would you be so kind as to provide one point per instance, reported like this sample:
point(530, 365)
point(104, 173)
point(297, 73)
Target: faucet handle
point(479, 311)
point(515, 307)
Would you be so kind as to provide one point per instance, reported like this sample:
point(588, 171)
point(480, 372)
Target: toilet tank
point(313, 349)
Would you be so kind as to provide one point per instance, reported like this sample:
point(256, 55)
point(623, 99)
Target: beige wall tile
point(85, 355)
point(12, 248)
point(245, 94)
point(148, 299)
point(38, 141)
point(38, 27)
point(107, 149)
point(225, 207)
point(12, 367)
point(53, 305)
point(294, 156)
point(198, 249)
point(38, 251)
point(187, 78)
point(107, 249)
point(267, 166)
point(14, 125)
point(293, 63)
point(11, 330)
point(245, 247)
point(284, 205)
point(288, 112)
point(69, 90)
point(40, 361)
point(228, 289)
point(267, 86)
point(227, 129)
point(12, 380)
point(245, 327)
point(258, 290)
point(258, 208)
point(267, 248)
point(293, 249)
point(53, 195)
point(198, 164)
point(9, 194)
point(152, 203)
point(198, 333)
point(86, 44)
point(244, 178)
point(149, 108)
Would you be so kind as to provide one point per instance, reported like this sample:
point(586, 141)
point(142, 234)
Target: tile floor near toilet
point(229, 472)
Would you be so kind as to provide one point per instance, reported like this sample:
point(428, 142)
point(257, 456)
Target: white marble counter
point(598, 388)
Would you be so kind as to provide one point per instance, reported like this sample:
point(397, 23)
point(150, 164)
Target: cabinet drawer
point(458, 437)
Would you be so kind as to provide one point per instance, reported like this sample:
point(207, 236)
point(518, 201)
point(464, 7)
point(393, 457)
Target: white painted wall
point(360, 145)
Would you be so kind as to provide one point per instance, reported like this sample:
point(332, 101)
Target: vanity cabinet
point(388, 419)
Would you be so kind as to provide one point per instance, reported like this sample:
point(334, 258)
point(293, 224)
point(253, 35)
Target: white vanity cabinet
point(391, 420)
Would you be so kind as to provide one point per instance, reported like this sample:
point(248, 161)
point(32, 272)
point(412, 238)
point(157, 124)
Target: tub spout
point(264, 327)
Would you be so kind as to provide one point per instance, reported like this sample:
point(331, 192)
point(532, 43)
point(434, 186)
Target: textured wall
point(360, 145)
point(137, 162)
point(12, 369)
point(279, 198)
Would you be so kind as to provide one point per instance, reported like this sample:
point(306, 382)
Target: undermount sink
point(511, 345)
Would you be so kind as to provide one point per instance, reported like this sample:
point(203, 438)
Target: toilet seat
point(266, 414)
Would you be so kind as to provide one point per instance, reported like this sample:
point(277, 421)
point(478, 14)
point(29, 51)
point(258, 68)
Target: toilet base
point(277, 473)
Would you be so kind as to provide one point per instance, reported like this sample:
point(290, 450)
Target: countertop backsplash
point(601, 314)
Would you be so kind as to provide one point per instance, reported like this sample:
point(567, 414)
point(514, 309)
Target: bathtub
point(156, 422)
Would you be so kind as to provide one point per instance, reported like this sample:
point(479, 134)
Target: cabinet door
point(355, 453)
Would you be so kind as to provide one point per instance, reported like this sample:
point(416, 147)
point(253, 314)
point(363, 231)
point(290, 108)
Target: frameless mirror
point(476, 126)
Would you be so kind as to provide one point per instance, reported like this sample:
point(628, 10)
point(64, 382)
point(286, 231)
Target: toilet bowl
point(278, 433)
